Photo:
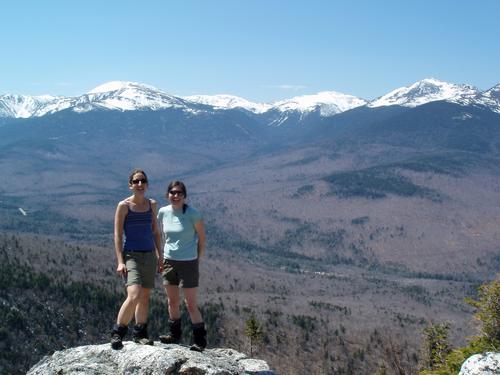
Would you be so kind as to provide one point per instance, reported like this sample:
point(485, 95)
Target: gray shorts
point(141, 268)
point(184, 273)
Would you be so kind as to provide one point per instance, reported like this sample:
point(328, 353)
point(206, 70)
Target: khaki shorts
point(141, 268)
point(184, 273)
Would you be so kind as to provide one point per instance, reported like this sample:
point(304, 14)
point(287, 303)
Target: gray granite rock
point(481, 364)
point(136, 359)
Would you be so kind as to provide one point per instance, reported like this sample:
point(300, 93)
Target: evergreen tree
point(253, 331)
point(488, 311)
point(435, 347)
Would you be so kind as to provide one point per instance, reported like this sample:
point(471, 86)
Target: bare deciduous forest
point(343, 246)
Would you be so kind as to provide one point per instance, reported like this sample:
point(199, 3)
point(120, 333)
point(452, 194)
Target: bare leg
point(190, 296)
point(142, 307)
point(174, 301)
point(128, 307)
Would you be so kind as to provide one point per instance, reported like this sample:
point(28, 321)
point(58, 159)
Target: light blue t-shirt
point(181, 240)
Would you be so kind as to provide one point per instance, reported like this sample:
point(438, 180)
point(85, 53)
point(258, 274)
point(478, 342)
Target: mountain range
point(333, 218)
point(130, 96)
point(404, 145)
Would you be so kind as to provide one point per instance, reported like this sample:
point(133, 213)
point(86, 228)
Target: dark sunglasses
point(180, 193)
point(141, 180)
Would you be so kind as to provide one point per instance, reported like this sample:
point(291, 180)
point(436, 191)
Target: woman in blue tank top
point(139, 258)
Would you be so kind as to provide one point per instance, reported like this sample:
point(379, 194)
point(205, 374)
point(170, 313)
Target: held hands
point(160, 265)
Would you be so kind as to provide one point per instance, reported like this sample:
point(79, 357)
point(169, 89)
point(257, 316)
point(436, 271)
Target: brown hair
point(134, 172)
point(180, 184)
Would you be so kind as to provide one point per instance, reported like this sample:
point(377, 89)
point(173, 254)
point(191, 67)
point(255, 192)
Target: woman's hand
point(121, 269)
point(160, 265)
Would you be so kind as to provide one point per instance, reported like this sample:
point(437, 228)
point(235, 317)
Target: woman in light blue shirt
point(184, 245)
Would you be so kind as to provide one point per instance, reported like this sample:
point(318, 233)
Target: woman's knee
point(145, 293)
point(191, 306)
point(134, 293)
point(173, 302)
point(173, 295)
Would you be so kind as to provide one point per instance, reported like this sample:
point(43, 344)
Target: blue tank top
point(138, 229)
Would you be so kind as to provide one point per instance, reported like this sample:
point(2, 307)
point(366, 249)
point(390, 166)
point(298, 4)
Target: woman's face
point(139, 183)
point(176, 196)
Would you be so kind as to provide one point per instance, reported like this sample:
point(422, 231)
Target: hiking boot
point(199, 337)
point(117, 334)
point(140, 334)
point(175, 333)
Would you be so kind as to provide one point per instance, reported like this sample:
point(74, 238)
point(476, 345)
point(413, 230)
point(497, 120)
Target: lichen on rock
point(164, 359)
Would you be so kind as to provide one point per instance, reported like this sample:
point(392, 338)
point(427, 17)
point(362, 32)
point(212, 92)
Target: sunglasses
point(141, 180)
point(180, 193)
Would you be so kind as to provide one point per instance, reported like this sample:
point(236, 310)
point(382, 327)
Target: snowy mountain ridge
point(425, 91)
point(490, 98)
point(228, 102)
point(329, 103)
point(23, 106)
point(115, 95)
point(130, 96)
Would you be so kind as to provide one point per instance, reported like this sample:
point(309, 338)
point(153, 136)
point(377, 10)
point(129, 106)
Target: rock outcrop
point(152, 360)
point(481, 364)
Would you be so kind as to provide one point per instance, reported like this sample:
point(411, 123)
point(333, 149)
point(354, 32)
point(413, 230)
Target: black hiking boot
point(117, 334)
point(199, 337)
point(175, 333)
point(140, 334)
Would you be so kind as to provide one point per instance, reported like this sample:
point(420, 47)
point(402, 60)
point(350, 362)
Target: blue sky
point(262, 50)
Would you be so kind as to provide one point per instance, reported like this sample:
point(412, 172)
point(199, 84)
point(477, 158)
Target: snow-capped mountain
point(425, 91)
point(328, 102)
point(115, 95)
point(23, 106)
point(130, 96)
point(493, 93)
point(228, 102)
point(490, 98)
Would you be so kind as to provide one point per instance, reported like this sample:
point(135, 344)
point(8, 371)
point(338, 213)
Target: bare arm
point(120, 214)
point(200, 231)
point(157, 235)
